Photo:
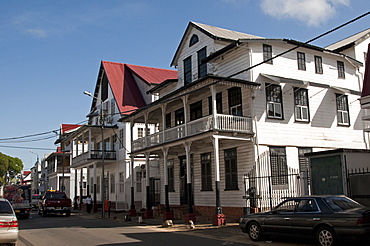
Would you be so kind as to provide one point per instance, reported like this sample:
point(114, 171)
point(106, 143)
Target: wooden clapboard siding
point(186, 51)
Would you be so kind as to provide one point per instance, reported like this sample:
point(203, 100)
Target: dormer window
point(194, 39)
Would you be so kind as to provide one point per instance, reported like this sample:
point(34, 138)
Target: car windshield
point(5, 208)
point(341, 203)
point(55, 196)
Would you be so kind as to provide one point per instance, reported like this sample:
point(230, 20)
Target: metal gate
point(358, 182)
point(265, 189)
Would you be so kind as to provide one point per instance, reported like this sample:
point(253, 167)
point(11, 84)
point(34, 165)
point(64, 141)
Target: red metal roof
point(366, 83)
point(124, 87)
point(68, 127)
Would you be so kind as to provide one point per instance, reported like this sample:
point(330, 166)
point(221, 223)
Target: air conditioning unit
point(142, 167)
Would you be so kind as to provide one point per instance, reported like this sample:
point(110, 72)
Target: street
point(79, 229)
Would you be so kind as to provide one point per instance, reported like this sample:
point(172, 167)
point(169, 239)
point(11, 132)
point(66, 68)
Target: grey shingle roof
point(224, 33)
point(348, 41)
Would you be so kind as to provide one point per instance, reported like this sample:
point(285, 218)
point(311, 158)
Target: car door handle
point(286, 218)
point(316, 219)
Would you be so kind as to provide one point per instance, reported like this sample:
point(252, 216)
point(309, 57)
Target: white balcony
point(224, 123)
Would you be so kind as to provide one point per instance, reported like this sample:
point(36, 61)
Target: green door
point(326, 175)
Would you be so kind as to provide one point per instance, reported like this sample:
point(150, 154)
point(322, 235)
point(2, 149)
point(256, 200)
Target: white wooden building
point(236, 109)
point(120, 89)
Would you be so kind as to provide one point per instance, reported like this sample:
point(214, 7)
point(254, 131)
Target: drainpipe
point(165, 173)
point(132, 211)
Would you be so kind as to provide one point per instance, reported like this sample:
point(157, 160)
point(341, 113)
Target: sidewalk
point(229, 233)
point(156, 222)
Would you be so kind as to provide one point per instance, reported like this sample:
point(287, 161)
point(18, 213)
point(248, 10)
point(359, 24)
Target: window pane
point(277, 107)
point(267, 53)
point(231, 172)
point(342, 109)
point(301, 60)
point(279, 168)
point(206, 173)
point(340, 67)
point(187, 70)
point(318, 64)
point(202, 67)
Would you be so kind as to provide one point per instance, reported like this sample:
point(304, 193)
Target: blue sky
point(50, 51)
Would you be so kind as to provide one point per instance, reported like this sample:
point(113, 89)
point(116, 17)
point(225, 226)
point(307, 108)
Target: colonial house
point(100, 150)
point(56, 173)
point(234, 127)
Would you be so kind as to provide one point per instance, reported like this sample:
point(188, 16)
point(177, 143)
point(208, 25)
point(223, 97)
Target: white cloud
point(311, 12)
point(37, 32)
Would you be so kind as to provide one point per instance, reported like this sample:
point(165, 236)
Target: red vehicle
point(19, 197)
point(55, 202)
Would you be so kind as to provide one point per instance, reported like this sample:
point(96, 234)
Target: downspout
point(254, 117)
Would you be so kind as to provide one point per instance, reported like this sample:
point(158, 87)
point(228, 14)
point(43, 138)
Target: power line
point(299, 45)
point(27, 136)
point(18, 147)
point(27, 141)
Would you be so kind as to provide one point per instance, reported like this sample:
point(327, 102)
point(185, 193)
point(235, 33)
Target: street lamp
point(102, 119)
point(36, 173)
point(64, 152)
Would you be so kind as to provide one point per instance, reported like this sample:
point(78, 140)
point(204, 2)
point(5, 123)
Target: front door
point(184, 189)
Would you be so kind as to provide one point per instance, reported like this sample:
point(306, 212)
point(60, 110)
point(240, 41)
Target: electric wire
point(4, 140)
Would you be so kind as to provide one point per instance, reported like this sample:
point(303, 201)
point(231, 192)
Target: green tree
point(14, 168)
point(10, 167)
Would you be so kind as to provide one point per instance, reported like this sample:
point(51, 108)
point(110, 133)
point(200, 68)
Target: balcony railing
point(108, 154)
point(95, 155)
point(229, 123)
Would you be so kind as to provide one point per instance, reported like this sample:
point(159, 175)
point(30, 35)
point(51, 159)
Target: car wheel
point(254, 231)
point(325, 236)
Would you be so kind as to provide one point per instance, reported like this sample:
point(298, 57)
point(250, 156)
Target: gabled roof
point(349, 42)
point(221, 33)
point(366, 83)
point(121, 78)
point(67, 128)
point(213, 32)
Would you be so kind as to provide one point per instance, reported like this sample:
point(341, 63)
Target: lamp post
point(36, 173)
point(64, 152)
point(102, 119)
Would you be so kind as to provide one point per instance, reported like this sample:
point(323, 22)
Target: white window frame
point(275, 106)
point(301, 111)
point(342, 114)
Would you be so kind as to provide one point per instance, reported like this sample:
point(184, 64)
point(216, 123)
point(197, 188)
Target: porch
point(224, 123)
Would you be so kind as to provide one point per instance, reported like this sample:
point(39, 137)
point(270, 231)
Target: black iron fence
point(358, 183)
point(265, 187)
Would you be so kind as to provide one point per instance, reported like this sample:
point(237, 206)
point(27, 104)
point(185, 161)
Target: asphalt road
point(81, 230)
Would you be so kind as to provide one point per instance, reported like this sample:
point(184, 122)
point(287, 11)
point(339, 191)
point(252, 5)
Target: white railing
point(200, 125)
point(138, 144)
point(230, 123)
point(175, 133)
point(155, 139)
point(234, 123)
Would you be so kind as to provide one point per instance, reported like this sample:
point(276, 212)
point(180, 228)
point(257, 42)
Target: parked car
point(326, 218)
point(8, 223)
